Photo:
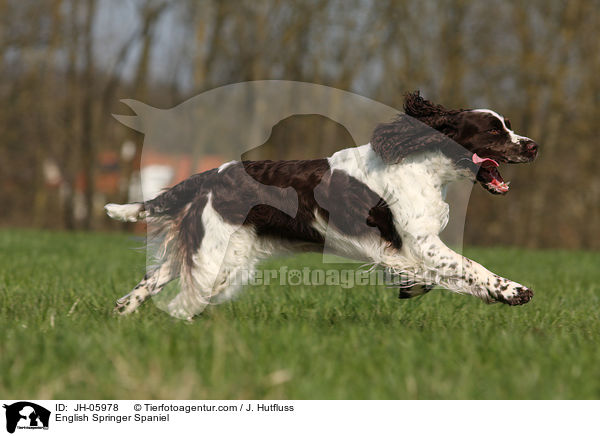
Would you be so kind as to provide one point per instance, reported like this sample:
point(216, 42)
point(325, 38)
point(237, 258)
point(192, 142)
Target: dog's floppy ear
point(434, 115)
point(420, 108)
point(403, 136)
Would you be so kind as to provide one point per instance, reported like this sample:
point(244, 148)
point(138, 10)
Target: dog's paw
point(127, 305)
point(515, 296)
point(122, 307)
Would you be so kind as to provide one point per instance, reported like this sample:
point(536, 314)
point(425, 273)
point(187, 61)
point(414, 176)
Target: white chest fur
point(414, 188)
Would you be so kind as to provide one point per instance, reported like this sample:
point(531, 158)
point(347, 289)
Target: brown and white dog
point(382, 203)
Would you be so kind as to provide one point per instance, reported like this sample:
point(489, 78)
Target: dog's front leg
point(457, 273)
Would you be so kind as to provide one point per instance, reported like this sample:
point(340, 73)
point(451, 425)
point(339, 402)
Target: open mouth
point(489, 176)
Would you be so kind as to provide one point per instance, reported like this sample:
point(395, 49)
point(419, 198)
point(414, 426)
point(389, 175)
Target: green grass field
point(59, 338)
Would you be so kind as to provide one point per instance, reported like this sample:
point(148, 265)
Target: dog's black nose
point(531, 147)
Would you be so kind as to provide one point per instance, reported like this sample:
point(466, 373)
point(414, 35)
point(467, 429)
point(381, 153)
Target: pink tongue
point(480, 161)
point(500, 186)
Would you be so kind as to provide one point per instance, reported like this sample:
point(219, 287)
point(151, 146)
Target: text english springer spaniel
point(381, 203)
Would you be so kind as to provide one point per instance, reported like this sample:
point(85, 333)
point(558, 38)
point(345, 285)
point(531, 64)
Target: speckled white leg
point(444, 267)
point(152, 283)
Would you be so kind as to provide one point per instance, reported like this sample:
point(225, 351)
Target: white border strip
point(277, 417)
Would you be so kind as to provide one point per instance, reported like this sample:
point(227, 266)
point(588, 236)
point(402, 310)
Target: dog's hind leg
point(152, 283)
point(414, 291)
point(414, 286)
point(221, 266)
point(217, 273)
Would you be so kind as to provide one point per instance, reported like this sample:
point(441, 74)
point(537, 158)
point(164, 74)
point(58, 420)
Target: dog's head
point(487, 138)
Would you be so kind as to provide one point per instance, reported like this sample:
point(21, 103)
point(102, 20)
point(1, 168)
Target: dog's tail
point(131, 212)
point(167, 205)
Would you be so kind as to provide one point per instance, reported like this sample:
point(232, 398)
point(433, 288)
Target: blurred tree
point(64, 64)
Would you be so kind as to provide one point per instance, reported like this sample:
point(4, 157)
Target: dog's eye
point(494, 132)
